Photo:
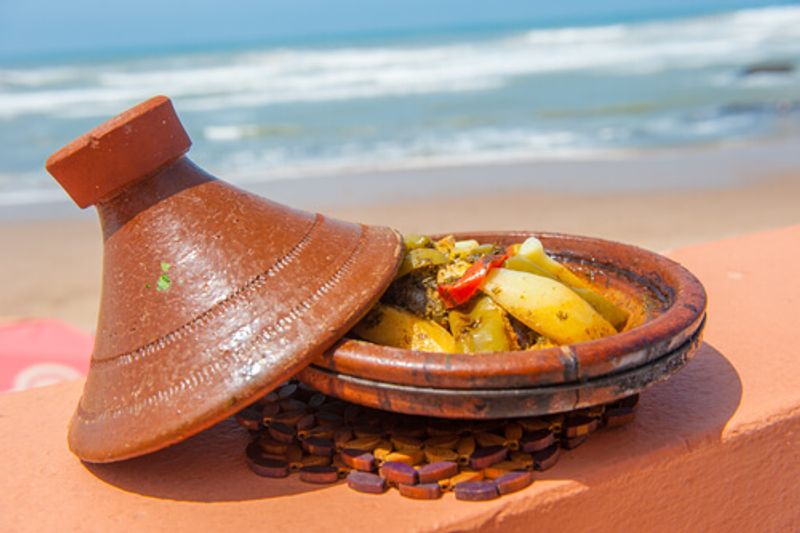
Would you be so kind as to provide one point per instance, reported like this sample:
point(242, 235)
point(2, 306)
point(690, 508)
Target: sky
point(30, 27)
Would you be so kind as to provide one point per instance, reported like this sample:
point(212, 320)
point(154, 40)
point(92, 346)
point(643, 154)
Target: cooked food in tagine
point(467, 297)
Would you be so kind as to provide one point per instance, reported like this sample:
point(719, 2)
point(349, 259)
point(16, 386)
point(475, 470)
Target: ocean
point(478, 95)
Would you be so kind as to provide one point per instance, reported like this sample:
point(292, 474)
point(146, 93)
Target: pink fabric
point(39, 352)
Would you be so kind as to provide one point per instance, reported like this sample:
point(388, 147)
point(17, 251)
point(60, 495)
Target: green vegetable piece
point(420, 258)
point(483, 329)
point(483, 249)
point(414, 241)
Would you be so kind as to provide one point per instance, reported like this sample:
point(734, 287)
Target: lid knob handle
point(123, 150)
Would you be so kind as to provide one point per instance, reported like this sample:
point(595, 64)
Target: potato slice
point(532, 258)
point(546, 306)
point(392, 326)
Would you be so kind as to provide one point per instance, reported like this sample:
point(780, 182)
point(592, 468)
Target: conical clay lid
point(211, 296)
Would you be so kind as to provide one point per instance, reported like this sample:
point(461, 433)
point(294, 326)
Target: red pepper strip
point(465, 287)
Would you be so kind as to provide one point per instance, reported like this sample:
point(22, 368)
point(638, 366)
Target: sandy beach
point(52, 254)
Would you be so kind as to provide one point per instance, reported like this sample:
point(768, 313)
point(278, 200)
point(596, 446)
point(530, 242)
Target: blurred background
point(274, 90)
point(660, 123)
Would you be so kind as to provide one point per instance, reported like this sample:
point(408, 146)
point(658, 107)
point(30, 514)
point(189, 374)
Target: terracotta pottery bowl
point(667, 305)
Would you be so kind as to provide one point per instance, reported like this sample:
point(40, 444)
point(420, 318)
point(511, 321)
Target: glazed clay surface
point(211, 296)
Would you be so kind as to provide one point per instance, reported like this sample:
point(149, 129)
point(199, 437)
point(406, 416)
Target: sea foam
point(278, 76)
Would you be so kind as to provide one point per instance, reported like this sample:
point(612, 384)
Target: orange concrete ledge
point(717, 448)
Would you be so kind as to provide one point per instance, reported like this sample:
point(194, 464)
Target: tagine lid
point(211, 296)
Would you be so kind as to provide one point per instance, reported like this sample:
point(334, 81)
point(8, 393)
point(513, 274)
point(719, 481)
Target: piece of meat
point(524, 336)
point(417, 292)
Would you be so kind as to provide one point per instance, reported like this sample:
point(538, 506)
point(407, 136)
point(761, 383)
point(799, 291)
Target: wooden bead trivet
point(297, 429)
